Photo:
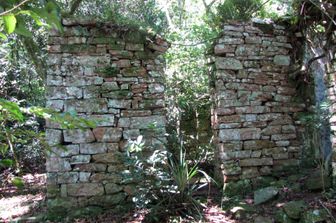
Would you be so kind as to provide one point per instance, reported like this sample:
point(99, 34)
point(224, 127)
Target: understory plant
point(19, 127)
point(166, 184)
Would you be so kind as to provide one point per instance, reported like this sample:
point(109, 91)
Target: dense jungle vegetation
point(190, 26)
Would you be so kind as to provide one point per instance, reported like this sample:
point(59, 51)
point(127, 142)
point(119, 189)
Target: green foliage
point(145, 15)
point(14, 19)
point(165, 184)
point(14, 131)
point(242, 10)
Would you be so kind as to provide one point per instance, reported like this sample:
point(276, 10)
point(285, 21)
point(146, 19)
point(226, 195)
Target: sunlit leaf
point(12, 109)
point(6, 163)
point(18, 182)
point(9, 22)
point(21, 29)
point(3, 36)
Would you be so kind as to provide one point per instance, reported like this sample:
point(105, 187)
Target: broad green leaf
point(6, 163)
point(12, 108)
point(3, 148)
point(3, 36)
point(18, 182)
point(21, 27)
point(9, 22)
point(34, 15)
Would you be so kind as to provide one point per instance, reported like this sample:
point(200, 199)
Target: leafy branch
point(14, 8)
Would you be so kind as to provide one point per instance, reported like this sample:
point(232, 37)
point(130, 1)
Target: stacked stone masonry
point(256, 106)
point(332, 100)
point(114, 76)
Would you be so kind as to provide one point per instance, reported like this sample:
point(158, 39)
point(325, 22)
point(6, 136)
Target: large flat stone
point(107, 158)
point(105, 134)
point(78, 136)
point(228, 63)
point(55, 164)
point(93, 148)
point(265, 194)
point(85, 189)
point(256, 162)
point(147, 122)
point(239, 134)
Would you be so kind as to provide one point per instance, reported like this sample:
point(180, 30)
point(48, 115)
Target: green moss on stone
point(241, 187)
point(108, 71)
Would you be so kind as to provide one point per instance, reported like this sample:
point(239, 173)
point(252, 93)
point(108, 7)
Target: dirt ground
point(27, 203)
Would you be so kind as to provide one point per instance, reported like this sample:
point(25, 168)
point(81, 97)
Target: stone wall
point(332, 98)
point(114, 76)
point(256, 107)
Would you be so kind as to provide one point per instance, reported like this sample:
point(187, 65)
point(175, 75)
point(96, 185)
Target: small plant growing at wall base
point(166, 184)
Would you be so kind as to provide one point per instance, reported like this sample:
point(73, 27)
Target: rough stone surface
point(294, 209)
point(114, 78)
point(254, 118)
point(265, 194)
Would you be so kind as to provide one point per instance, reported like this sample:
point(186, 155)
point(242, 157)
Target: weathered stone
point(230, 155)
point(85, 189)
point(105, 177)
point(91, 167)
point(84, 176)
point(261, 219)
point(97, 105)
point(265, 194)
point(57, 105)
point(282, 60)
point(314, 216)
point(105, 134)
point(79, 159)
point(147, 122)
point(107, 158)
point(317, 181)
point(107, 200)
point(112, 188)
point(152, 104)
point(221, 49)
point(230, 168)
point(78, 136)
point(54, 136)
point(256, 162)
point(93, 148)
point(68, 177)
point(271, 130)
point(247, 50)
point(114, 103)
point(294, 209)
point(120, 94)
point(101, 120)
point(134, 72)
point(57, 165)
point(258, 144)
point(239, 134)
point(156, 88)
point(91, 92)
point(251, 172)
point(78, 81)
point(64, 151)
point(229, 40)
point(109, 86)
point(131, 134)
point(240, 187)
point(282, 137)
point(228, 63)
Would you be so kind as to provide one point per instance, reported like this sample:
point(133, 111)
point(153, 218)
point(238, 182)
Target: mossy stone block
point(241, 187)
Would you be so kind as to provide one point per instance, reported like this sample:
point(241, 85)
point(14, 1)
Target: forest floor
point(28, 205)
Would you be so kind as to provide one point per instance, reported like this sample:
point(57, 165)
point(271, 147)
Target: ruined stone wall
point(113, 75)
point(256, 107)
point(332, 98)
